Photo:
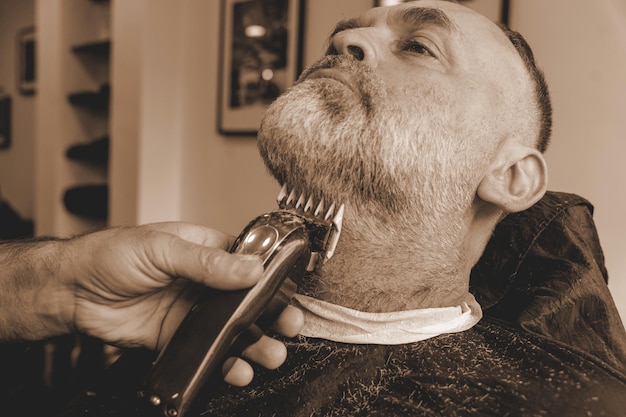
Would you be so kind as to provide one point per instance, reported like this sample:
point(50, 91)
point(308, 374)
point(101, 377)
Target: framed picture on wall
point(496, 10)
point(26, 61)
point(260, 59)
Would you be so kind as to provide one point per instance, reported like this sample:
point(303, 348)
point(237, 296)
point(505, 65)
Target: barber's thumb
point(244, 270)
point(226, 271)
point(208, 265)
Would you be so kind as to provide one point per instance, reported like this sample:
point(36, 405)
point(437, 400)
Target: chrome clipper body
point(290, 242)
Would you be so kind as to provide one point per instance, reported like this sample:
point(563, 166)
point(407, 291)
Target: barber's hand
point(134, 285)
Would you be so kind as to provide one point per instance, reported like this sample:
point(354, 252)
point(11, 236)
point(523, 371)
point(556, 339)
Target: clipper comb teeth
point(306, 206)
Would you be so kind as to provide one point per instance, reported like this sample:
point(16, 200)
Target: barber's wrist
point(36, 302)
point(53, 298)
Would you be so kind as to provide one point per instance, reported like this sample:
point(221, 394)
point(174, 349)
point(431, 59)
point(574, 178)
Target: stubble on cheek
point(324, 135)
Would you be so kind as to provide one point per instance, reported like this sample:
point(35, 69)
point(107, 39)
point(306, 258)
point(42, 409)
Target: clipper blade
point(315, 210)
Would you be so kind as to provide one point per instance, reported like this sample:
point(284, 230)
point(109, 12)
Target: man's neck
point(373, 278)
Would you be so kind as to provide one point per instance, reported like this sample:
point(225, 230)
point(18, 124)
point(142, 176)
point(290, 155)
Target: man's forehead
point(416, 14)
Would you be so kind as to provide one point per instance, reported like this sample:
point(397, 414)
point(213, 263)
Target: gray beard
point(405, 196)
point(330, 124)
point(329, 141)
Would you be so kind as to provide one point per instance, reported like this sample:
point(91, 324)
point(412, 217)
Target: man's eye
point(416, 48)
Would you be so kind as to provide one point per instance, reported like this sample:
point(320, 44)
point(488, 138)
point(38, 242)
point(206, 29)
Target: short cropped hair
point(542, 95)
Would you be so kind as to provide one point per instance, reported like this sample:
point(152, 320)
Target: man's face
point(403, 116)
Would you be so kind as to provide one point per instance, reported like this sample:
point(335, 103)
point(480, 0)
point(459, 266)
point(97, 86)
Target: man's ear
point(516, 180)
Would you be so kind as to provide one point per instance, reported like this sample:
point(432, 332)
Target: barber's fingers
point(290, 321)
point(259, 348)
point(197, 253)
point(267, 352)
point(237, 372)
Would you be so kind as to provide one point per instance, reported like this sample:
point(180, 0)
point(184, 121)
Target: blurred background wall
point(582, 48)
point(16, 163)
point(167, 159)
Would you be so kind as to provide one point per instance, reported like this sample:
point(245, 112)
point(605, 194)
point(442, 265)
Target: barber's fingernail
point(249, 265)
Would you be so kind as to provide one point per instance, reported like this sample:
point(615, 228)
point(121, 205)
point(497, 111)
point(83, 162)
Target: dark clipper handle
point(201, 343)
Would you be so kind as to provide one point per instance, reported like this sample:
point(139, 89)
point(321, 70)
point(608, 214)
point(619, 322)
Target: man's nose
point(354, 42)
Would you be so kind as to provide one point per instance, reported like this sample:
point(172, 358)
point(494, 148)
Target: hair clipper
point(290, 242)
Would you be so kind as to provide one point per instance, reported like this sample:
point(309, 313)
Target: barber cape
point(489, 368)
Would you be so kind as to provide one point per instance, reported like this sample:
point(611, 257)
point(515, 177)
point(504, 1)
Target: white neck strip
point(340, 324)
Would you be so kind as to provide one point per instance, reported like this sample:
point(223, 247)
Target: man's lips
point(333, 74)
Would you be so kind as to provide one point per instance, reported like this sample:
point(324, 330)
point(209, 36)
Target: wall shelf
point(94, 152)
point(90, 201)
point(74, 44)
point(102, 47)
point(94, 100)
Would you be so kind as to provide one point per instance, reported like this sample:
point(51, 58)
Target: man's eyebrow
point(415, 17)
point(424, 16)
point(344, 25)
